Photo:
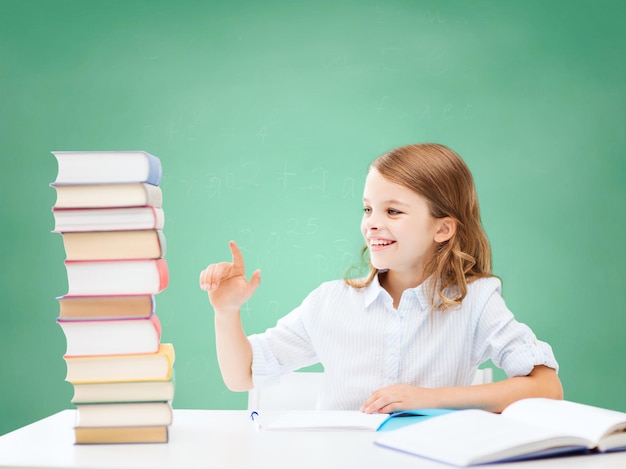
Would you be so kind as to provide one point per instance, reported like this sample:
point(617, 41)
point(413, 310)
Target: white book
point(105, 167)
point(325, 420)
point(528, 428)
point(116, 277)
point(111, 336)
point(108, 219)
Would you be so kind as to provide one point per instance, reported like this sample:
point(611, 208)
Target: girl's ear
point(446, 229)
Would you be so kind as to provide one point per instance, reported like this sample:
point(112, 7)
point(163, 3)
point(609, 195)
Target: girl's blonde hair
point(439, 175)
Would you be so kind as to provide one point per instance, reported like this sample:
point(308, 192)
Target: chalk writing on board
point(381, 106)
point(272, 243)
point(251, 172)
point(214, 185)
point(336, 261)
point(268, 257)
point(284, 177)
point(245, 237)
point(436, 63)
point(400, 16)
point(430, 17)
point(262, 133)
point(320, 185)
point(299, 227)
point(272, 310)
point(144, 41)
point(386, 59)
point(348, 188)
point(468, 112)
point(447, 111)
point(335, 60)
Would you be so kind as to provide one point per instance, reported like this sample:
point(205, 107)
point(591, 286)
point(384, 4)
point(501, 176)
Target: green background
point(265, 116)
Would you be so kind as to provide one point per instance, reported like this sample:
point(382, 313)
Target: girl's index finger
point(237, 256)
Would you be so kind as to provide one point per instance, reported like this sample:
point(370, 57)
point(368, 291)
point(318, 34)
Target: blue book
point(409, 417)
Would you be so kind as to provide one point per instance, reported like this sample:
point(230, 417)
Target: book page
point(327, 420)
point(614, 442)
point(570, 418)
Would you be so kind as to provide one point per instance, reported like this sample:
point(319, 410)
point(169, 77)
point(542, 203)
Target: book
point(109, 212)
point(127, 391)
point(116, 277)
point(111, 336)
point(105, 307)
point(135, 194)
point(119, 368)
point(121, 435)
point(130, 414)
point(108, 219)
point(93, 167)
point(114, 245)
point(528, 428)
point(327, 420)
point(351, 420)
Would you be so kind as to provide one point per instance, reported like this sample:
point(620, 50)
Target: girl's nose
point(371, 222)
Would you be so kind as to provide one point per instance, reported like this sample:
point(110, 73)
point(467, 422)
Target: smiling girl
point(414, 331)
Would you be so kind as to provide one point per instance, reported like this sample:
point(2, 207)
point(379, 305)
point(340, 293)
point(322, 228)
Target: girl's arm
point(541, 382)
point(228, 290)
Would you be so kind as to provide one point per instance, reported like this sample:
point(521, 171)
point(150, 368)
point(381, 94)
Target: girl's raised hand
point(226, 283)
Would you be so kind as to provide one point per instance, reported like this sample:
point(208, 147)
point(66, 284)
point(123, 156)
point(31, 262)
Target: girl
point(413, 332)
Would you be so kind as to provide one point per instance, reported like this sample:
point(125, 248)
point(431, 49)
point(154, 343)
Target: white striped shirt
point(364, 343)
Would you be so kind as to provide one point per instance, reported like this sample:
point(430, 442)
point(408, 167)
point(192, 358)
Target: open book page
point(327, 420)
point(571, 418)
point(613, 442)
point(474, 436)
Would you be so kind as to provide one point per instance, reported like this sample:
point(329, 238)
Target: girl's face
point(397, 226)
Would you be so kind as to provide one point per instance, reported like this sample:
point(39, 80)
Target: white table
point(226, 439)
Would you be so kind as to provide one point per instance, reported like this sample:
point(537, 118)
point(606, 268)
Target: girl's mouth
point(380, 244)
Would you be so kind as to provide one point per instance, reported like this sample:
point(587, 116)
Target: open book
point(528, 428)
point(326, 420)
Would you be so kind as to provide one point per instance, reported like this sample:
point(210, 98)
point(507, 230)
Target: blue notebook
point(410, 417)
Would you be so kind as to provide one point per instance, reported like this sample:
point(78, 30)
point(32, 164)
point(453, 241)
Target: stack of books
point(109, 213)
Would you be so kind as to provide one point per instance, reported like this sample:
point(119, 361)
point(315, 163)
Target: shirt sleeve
point(511, 345)
point(284, 347)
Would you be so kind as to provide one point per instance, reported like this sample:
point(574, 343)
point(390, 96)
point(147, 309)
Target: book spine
point(159, 217)
point(164, 275)
point(162, 243)
point(156, 322)
point(155, 170)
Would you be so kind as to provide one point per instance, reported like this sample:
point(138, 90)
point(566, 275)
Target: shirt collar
point(375, 290)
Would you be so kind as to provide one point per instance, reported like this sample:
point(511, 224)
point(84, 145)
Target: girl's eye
point(393, 212)
point(367, 210)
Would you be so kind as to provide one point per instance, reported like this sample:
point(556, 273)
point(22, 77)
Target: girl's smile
point(378, 244)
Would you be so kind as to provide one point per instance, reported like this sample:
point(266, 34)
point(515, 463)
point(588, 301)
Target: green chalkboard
point(265, 116)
